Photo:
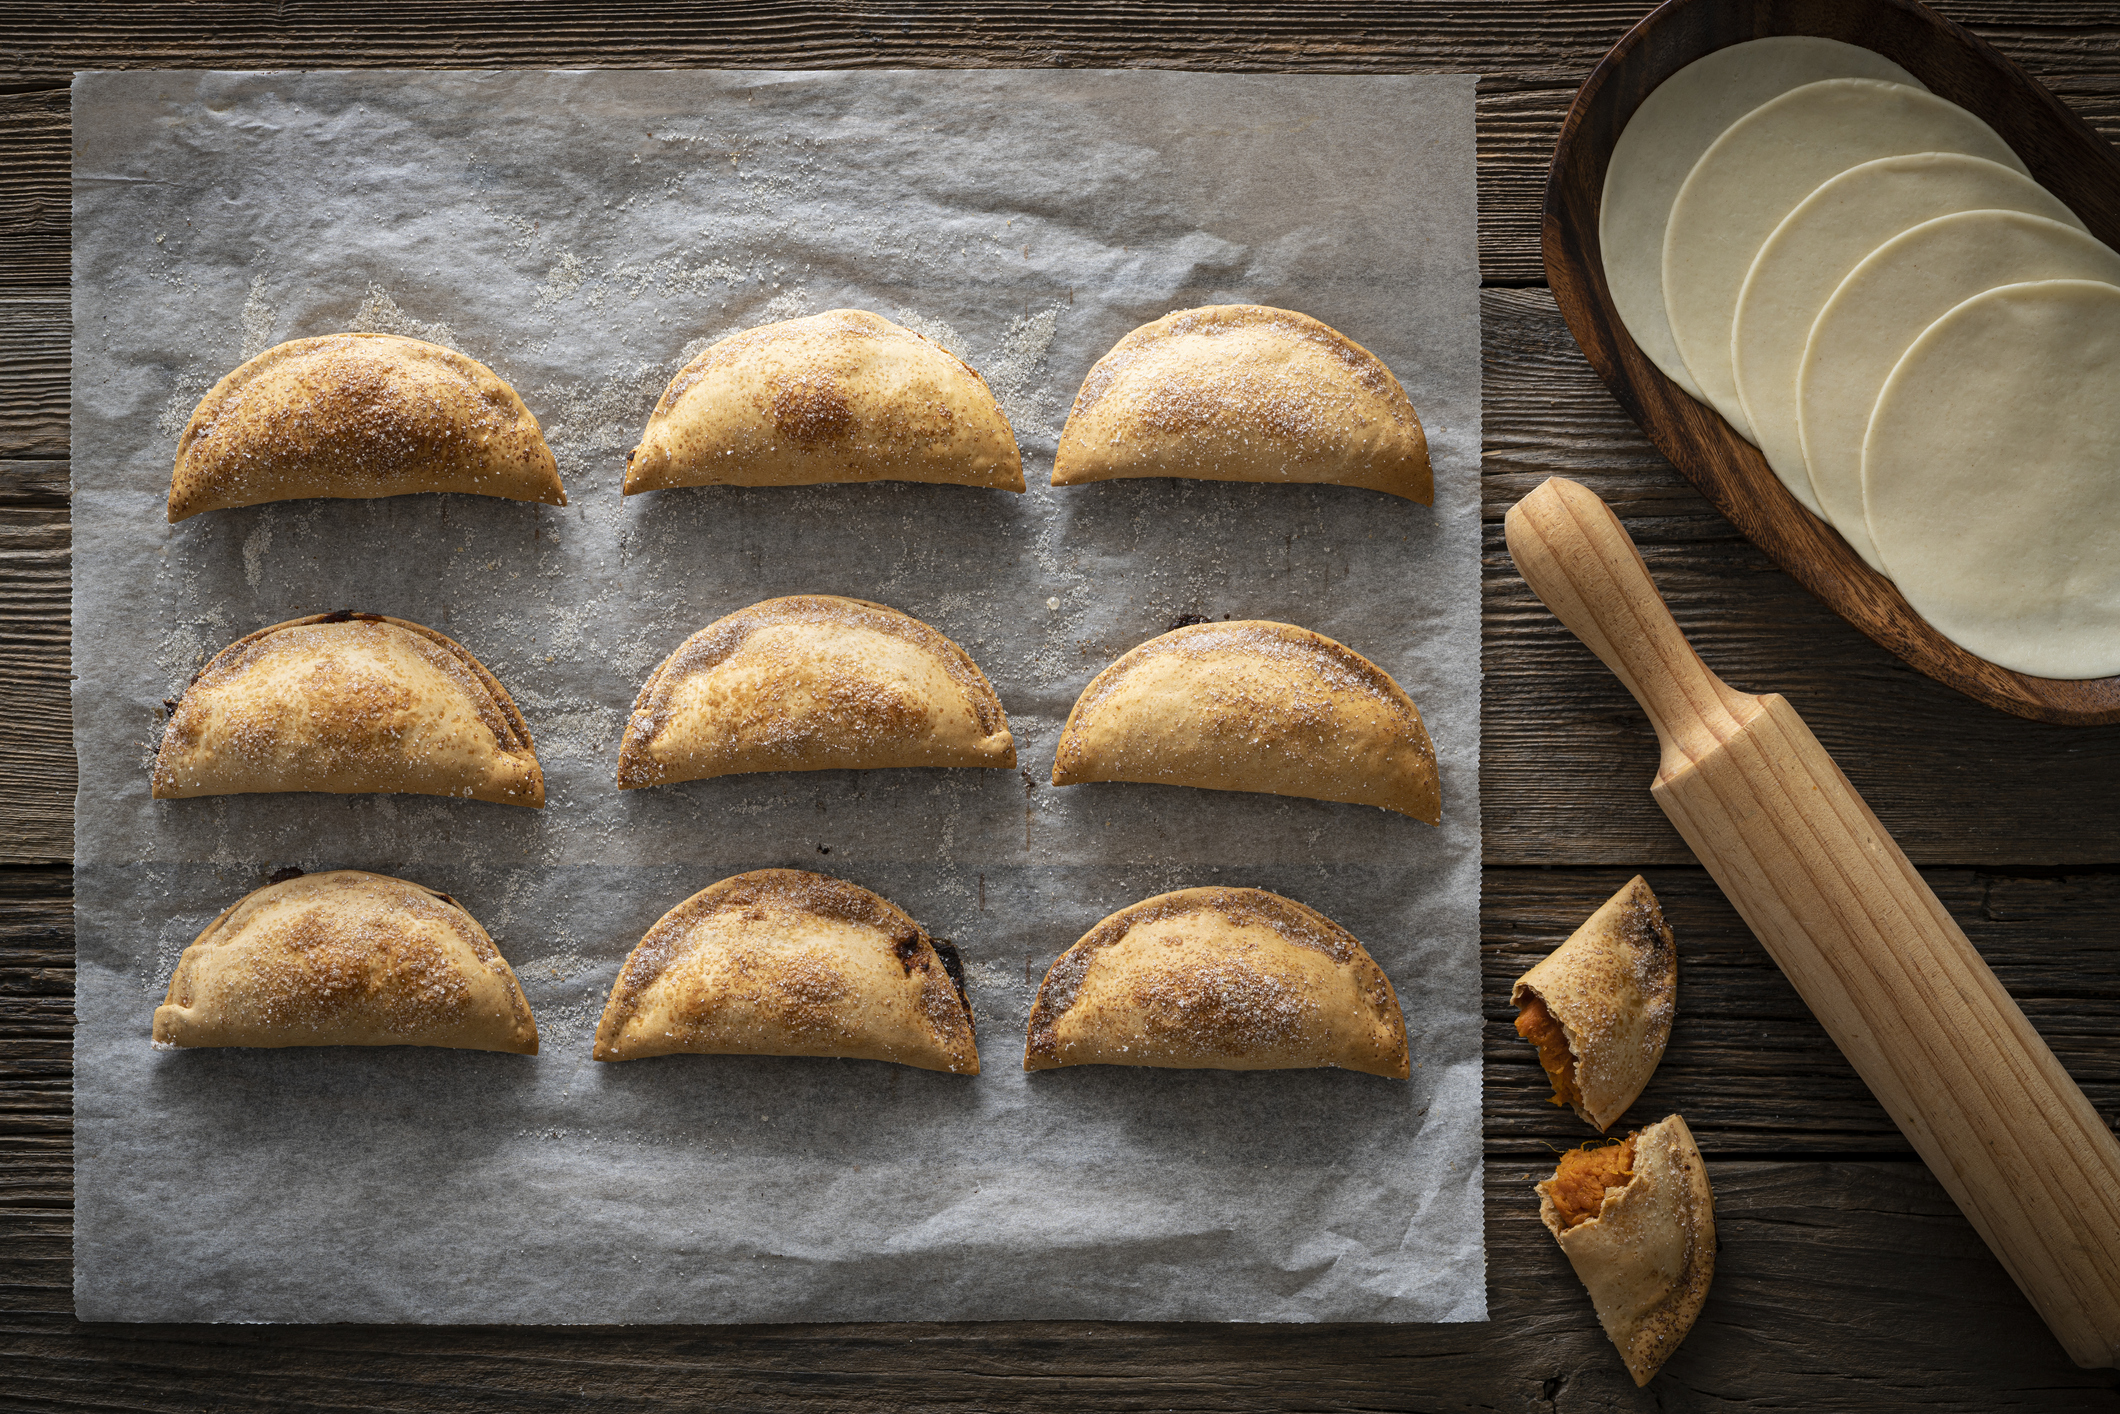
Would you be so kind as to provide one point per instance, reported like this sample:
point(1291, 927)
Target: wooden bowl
point(2064, 155)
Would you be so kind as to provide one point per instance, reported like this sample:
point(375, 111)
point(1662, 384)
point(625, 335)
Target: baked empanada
point(1254, 706)
point(812, 682)
point(1637, 1222)
point(346, 959)
point(355, 416)
point(1218, 979)
point(1244, 392)
point(1599, 1006)
point(782, 962)
point(348, 703)
point(841, 396)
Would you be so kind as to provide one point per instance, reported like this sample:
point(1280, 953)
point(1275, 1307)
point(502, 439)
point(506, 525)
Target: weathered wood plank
point(1566, 754)
point(36, 359)
point(36, 730)
point(1533, 59)
point(1838, 1287)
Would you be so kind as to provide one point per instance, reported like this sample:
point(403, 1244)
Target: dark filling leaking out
point(953, 964)
point(281, 876)
point(1188, 620)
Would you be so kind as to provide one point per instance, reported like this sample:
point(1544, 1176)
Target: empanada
point(358, 416)
point(1243, 392)
point(1599, 1006)
point(348, 703)
point(782, 962)
point(1218, 979)
point(812, 682)
point(1637, 1222)
point(1255, 706)
point(841, 396)
point(346, 959)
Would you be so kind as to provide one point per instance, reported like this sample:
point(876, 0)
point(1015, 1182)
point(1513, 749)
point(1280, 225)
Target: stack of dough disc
point(1924, 344)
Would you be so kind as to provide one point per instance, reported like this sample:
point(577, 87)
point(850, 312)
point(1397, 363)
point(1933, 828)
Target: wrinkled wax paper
point(585, 234)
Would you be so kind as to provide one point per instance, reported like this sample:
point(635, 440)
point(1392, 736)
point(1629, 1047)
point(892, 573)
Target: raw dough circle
point(1757, 172)
point(1667, 135)
point(1899, 289)
point(1991, 474)
point(1814, 248)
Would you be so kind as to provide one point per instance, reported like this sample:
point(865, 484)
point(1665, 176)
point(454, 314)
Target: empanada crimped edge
point(936, 1033)
point(512, 739)
point(178, 1022)
point(519, 465)
point(1238, 1020)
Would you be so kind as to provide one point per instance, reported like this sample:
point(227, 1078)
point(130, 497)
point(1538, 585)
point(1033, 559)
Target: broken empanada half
point(812, 682)
point(346, 959)
point(355, 416)
point(1253, 706)
point(1637, 1222)
point(348, 703)
point(1218, 979)
point(1599, 1006)
point(1245, 392)
point(783, 962)
point(841, 396)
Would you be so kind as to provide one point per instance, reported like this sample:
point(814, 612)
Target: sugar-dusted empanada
point(348, 703)
point(1599, 1006)
point(782, 962)
point(346, 959)
point(812, 682)
point(1637, 1222)
point(358, 416)
point(1218, 979)
point(1255, 706)
point(841, 396)
point(1244, 392)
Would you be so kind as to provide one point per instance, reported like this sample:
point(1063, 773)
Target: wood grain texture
point(2064, 155)
point(1884, 968)
point(1805, 1246)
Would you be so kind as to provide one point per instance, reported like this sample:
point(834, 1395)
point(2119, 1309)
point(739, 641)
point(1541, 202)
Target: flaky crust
point(1255, 706)
point(841, 396)
point(1245, 392)
point(783, 962)
point(812, 682)
point(1218, 979)
point(354, 416)
point(346, 959)
point(1613, 987)
point(1648, 1257)
point(348, 703)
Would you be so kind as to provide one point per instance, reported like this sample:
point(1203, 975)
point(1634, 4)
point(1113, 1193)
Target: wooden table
point(1846, 1279)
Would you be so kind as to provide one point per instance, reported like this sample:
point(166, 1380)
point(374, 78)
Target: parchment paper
point(583, 234)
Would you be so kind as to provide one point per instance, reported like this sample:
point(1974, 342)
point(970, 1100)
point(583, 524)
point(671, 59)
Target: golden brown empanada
point(1254, 706)
point(1637, 1222)
point(812, 682)
point(782, 962)
point(1599, 1006)
point(358, 416)
point(1218, 979)
point(346, 959)
point(841, 396)
point(348, 703)
point(1244, 392)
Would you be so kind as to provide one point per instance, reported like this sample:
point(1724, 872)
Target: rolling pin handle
point(1579, 559)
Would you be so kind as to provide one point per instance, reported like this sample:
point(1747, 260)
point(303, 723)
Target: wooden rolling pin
point(1838, 907)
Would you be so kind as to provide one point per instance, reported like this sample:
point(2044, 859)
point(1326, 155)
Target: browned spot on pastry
point(811, 409)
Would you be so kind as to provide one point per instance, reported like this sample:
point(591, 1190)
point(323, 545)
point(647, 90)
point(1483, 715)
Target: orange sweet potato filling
point(1580, 1182)
point(1536, 1024)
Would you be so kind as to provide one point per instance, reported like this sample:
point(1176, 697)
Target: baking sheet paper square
point(584, 234)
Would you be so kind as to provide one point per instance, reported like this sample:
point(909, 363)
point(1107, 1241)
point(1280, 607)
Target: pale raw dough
point(1898, 290)
point(1991, 475)
point(1667, 135)
point(1757, 172)
point(1816, 245)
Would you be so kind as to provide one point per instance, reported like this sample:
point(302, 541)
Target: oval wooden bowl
point(2064, 155)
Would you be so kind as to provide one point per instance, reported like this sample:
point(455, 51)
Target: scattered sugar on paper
point(379, 314)
point(934, 331)
point(562, 282)
point(258, 317)
point(1014, 372)
point(254, 547)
